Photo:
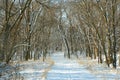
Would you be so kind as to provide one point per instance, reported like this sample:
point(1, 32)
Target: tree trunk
point(114, 8)
point(67, 46)
point(28, 33)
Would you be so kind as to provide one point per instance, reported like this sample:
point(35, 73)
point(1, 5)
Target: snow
point(62, 69)
point(28, 70)
point(34, 70)
point(82, 69)
point(68, 69)
point(101, 71)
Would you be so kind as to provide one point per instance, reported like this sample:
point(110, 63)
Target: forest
point(31, 29)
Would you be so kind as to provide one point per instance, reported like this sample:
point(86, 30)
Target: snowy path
point(66, 69)
point(61, 69)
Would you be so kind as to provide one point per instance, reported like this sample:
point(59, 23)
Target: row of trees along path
point(30, 28)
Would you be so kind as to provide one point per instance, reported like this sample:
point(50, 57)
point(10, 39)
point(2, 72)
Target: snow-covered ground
point(59, 68)
point(7, 71)
point(27, 70)
point(68, 69)
point(82, 69)
point(35, 70)
point(101, 71)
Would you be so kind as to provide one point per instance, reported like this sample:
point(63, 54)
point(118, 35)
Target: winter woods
point(30, 29)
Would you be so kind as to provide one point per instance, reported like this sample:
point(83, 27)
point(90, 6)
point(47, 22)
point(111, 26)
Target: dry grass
point(100, 69)
point(30, 63)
